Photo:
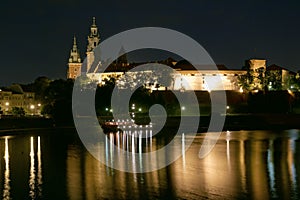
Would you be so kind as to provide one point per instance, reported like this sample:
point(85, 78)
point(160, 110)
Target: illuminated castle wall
point(188, 79)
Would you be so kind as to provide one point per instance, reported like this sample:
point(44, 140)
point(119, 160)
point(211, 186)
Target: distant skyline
point(36, 37)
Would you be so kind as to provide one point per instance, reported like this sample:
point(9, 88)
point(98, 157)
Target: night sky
point(36, 37)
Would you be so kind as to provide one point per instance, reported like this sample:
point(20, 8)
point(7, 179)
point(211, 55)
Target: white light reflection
point(6, 188)
point(150, 140)
point(183, 150)
point(111, 145)
point(133, 156)
point(39, 172)
point(140, 151)
point(124, 139)
point(271, 169)
point(228, 149)
point(131, 141)
point(118, 140)
point(32, 171)
point(106, 152)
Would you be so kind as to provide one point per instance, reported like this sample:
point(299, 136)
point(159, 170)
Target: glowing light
point(39, 105)
point(106, 109)
point(7, 103)
point(183, 108)
point(140, 109)
point(241, 90)
point(227, 107)
point(32, 106)
point(291, 93)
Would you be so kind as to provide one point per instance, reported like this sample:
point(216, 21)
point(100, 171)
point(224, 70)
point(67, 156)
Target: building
point(74, 64)
point(187, 77)
point(15, 97)
point(207, 78)
point(279, 78)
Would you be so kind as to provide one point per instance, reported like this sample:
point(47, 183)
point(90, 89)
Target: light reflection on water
point(6, 188)
point(32, 171)
point(243, 165)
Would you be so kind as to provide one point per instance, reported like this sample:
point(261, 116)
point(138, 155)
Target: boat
point(123, 125)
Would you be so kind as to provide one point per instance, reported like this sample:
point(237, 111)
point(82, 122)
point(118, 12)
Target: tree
point(39, 87)
point(58, 100)
point(253, 80)
point(274, 77)
point(245, 81)
point(103, 97)
point(259, 79)
point(18, 111)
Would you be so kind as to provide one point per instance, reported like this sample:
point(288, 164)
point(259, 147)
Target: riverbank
point(232, 122)
point(235, 122)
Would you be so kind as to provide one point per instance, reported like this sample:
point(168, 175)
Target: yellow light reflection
point(32, 171)
point(6, 189)
point(39, 172)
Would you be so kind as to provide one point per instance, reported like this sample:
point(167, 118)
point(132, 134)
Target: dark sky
point(36, 36)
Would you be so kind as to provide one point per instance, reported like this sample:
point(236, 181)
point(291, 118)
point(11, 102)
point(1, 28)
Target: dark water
point(243, 165)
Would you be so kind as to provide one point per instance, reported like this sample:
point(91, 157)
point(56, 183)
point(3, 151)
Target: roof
point(185, 65)
point(277, 67)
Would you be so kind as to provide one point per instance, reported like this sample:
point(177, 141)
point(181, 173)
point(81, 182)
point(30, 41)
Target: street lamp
point(133, 106)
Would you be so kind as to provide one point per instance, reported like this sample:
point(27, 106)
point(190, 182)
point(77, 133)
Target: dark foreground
point(53, 164)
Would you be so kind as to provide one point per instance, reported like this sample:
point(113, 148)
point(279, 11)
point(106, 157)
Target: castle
point(187, 78)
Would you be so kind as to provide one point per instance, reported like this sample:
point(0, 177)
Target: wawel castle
point(187, 78)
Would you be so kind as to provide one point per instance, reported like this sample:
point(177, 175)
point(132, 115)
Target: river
point(54, 164)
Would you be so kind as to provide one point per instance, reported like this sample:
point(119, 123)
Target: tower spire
point(74, 41)
point(74, 65)
point(93, 37)
point(74, 54)
point(94, 22)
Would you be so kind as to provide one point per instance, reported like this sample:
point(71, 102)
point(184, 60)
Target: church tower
point(74, 64)
point(93, 41)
